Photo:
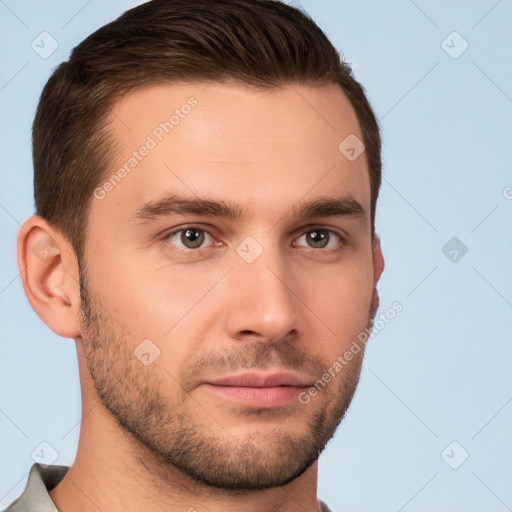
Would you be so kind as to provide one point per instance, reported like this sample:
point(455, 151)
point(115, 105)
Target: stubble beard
point(176, 440)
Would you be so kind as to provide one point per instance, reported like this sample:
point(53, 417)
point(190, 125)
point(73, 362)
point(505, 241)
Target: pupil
point(192, 238)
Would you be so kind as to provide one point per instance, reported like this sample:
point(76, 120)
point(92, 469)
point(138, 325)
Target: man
point(206, 178)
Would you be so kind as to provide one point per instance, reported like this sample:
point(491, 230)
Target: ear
point(378, 260)
point(378, 268)
point(49, 273)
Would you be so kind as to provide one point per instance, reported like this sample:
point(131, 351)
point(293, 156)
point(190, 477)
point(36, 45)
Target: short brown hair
point(258, 43)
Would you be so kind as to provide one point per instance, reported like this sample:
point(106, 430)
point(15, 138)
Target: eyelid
point(312, 227)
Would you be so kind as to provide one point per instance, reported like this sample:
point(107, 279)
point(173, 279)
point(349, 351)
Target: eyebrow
point(173, 204)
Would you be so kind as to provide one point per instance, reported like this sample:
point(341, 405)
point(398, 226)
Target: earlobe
point(49, 273)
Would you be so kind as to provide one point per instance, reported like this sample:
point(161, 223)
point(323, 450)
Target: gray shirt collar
point(35, 497)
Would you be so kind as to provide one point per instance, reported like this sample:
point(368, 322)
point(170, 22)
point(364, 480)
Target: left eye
point(190, 238)
point(320, 238)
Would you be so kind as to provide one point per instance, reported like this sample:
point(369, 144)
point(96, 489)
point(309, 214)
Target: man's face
point(179, 298)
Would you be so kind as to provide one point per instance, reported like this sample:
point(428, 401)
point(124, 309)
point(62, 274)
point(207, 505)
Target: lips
point(259, 390)
point(262, 380)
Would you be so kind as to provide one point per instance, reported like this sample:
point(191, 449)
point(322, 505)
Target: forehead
point(230, 142)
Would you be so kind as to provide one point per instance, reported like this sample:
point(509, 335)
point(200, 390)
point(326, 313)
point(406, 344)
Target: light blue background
point(441, 370)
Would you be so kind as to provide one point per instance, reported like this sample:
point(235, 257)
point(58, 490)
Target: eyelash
point(339, 247)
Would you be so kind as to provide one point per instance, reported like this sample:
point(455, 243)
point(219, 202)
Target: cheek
point(154, 301)
point(340, 299)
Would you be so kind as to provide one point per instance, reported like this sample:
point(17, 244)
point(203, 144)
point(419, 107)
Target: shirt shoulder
point(35, 497)
point(323, 506)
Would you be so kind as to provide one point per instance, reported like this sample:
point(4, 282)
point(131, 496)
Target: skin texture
point(156, 436)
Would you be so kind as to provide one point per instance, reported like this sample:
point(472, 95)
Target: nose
point(261, 304)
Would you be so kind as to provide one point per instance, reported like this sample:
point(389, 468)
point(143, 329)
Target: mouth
point(259, 390)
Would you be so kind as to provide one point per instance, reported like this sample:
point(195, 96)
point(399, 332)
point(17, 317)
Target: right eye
point(190, 237)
